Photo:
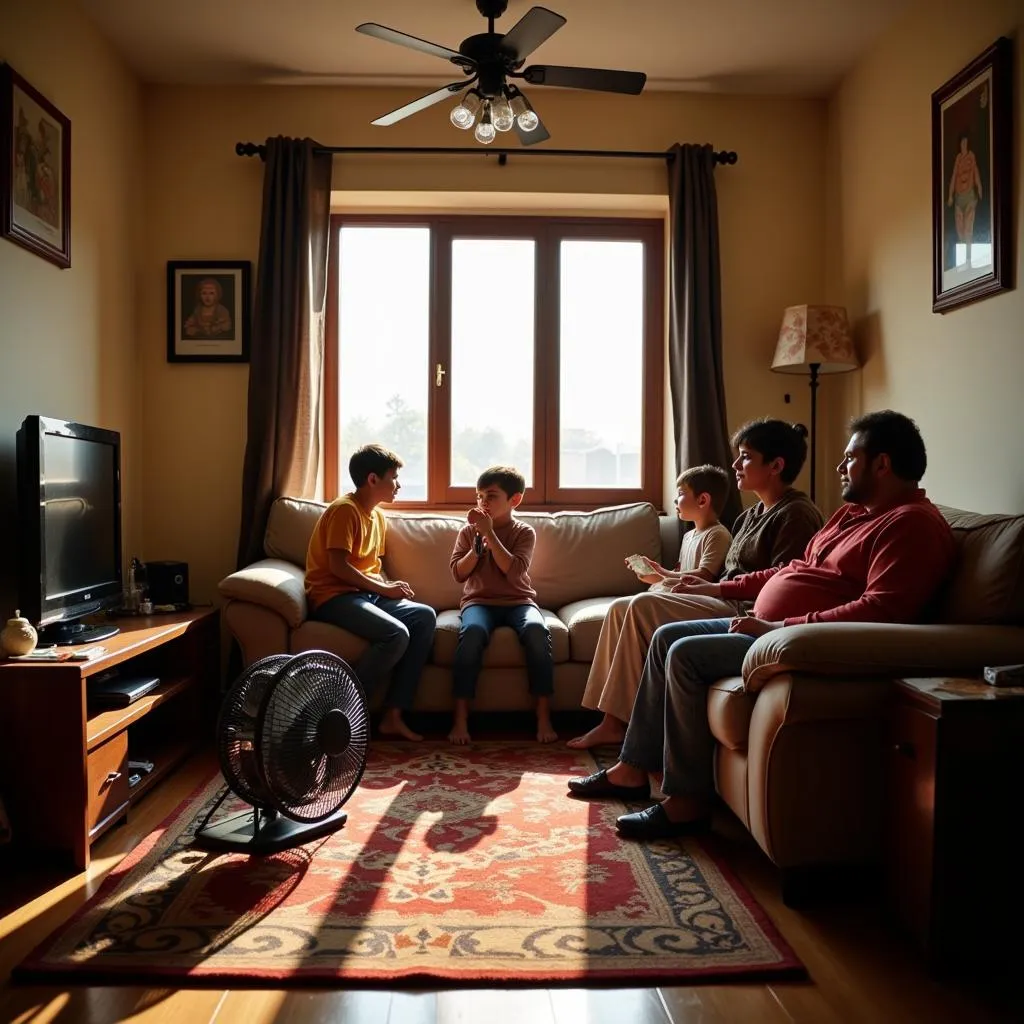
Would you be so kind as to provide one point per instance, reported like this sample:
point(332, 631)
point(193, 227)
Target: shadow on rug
point(467, 865)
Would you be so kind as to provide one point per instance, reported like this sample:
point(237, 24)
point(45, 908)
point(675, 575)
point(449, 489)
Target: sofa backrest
point(578, 554)
point(987, 583)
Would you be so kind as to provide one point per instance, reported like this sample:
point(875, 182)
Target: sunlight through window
point(383, 347)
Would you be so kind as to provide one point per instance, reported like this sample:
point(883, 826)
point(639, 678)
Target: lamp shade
point(814, 335)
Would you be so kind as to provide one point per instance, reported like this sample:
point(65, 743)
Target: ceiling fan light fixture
point(484, 130)
point(464, 115)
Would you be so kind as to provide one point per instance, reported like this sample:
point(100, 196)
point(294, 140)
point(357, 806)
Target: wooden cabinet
point(64, 771)
point(955, 778)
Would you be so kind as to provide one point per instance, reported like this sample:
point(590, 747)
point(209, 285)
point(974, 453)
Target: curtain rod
point(721, 156)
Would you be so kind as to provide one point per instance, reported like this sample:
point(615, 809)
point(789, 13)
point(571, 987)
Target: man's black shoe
point(599, 787)
point(653, 823)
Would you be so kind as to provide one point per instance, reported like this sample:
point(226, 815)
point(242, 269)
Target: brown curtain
point(696, 374)
point(282, 451)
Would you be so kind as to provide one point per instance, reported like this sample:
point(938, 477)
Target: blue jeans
point(400, 632)
point(668, 730)
point(478, 622)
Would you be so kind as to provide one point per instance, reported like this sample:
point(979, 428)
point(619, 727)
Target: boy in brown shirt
point(491, 560)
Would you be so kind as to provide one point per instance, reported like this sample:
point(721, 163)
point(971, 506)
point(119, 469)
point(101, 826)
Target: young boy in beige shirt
point(701, 493)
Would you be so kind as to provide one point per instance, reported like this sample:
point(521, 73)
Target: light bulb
point(485, 129)
point(522, 111)
point(501, 115)
point(485, 132)
point(528, 120)
point(465, 113)
point(461, 117)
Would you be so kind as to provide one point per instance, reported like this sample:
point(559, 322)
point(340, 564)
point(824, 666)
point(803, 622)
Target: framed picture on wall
point(35, 170)
point(208, 311)
point(972, 176)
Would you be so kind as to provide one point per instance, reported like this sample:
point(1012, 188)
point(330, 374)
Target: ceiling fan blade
point(539, 134)
point(421, 104)
point(536, 26)
point(391, 35)
point(601, 79)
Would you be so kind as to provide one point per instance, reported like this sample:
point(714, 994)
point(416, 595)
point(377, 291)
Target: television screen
point(69, 499)
point(79, 517)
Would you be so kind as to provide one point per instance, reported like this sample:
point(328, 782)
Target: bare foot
point(545, 731)
point(392, 724)
point(608, 730)
point(459, 734)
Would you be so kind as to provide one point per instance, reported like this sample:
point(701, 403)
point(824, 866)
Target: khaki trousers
point(625, 637)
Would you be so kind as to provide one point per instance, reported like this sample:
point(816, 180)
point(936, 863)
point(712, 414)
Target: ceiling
point(774, 47)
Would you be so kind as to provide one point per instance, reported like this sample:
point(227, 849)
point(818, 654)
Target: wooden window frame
point(548, 232)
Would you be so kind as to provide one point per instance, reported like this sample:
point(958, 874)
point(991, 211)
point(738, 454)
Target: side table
point(955, 873)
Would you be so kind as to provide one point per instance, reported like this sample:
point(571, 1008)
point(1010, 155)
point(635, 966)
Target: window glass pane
point(492, 356)
point(601, 347)
point(383, 348)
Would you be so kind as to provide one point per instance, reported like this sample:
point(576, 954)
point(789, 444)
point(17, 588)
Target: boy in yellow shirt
point(344, 586)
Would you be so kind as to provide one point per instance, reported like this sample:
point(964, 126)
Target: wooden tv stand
point(64, 770)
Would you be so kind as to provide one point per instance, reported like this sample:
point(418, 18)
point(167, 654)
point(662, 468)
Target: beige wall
point(68, 337)
point(959, 374)
point(203, 202)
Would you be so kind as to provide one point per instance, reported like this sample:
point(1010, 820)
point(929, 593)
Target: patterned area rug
point(456, 865)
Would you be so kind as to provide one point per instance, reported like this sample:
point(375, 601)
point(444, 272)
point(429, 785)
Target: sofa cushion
point(580, 554)
point(322, 636)
point(289, 527)
point(987, 583)
point(504, 650)
point(584, 620)
point(418, 549)
point(729, 709)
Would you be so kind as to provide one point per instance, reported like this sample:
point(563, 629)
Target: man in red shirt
point(880, 558)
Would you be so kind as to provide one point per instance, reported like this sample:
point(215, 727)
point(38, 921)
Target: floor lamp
point(814, 340)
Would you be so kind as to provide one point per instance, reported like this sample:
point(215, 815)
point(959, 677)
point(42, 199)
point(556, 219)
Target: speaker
point(168, 582)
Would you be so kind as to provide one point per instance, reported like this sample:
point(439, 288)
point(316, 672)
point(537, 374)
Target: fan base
point(235, 834)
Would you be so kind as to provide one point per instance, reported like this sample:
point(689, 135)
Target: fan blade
point(539, 134)
point(421, 104)
point(390, 35)
point(536, 26)
point(601, 79)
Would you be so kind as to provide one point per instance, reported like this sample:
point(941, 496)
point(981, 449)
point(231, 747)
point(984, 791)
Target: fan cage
point(270, 743)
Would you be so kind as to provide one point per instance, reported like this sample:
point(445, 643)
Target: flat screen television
point(69, 512)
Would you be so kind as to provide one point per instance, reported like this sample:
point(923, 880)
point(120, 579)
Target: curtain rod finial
point(250, 149)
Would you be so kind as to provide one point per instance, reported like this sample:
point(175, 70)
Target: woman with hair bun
point(769, 456)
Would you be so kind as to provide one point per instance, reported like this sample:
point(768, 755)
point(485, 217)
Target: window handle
point(439, 372)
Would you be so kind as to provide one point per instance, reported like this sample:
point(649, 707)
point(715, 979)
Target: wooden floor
point(860, 971)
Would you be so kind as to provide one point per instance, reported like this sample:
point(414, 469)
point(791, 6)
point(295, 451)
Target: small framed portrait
point(35, 170)
point(208, 311)
point(972, 175)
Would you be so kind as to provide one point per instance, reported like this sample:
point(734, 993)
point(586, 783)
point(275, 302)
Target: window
point(461, 342)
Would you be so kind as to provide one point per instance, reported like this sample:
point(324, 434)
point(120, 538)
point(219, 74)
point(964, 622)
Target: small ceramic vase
point(18, 636)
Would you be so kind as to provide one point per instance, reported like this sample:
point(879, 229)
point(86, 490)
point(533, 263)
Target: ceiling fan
point(492, 103)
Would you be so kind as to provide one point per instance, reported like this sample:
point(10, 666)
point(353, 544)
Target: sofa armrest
point(874, 648)
point(272, 583)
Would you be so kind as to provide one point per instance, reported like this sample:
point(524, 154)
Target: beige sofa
point(577, 571)
point(802, 734)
